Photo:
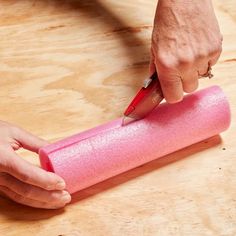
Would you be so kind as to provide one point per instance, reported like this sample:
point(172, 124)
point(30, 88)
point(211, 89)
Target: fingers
point(171, 86)
point(190, 81)
point(177, 77)
point(170, 80)
point(25, 183)
point(28, 173)
point(202, 69)
point(28, 201)
point(52, 198)
point(28, 140)
point(181, 56)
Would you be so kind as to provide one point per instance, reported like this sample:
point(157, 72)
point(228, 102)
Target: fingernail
point(66, 197)
point(60, 185)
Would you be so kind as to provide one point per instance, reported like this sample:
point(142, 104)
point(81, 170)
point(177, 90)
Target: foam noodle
point(107, 150)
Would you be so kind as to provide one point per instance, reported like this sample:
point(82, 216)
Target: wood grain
point(69, 65)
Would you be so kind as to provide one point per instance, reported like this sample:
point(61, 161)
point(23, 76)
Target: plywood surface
point(66, 66)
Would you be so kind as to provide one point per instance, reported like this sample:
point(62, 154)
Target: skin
point(186, 39)
point(23, 182)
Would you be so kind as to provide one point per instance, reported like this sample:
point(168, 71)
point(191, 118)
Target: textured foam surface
point(105, 151)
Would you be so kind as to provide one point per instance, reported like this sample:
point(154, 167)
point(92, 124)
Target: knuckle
point(25, 177)
point(202, 54)
point(18, 198)
point(215, 49)
point(186, 60)
point(166, 63)
point(12, 195)
point(171, 81)
point(27, 192)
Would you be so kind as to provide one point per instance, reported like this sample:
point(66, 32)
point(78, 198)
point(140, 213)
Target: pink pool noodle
point(92, 156)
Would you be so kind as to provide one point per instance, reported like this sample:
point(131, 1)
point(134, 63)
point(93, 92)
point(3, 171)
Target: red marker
point(148, 97)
